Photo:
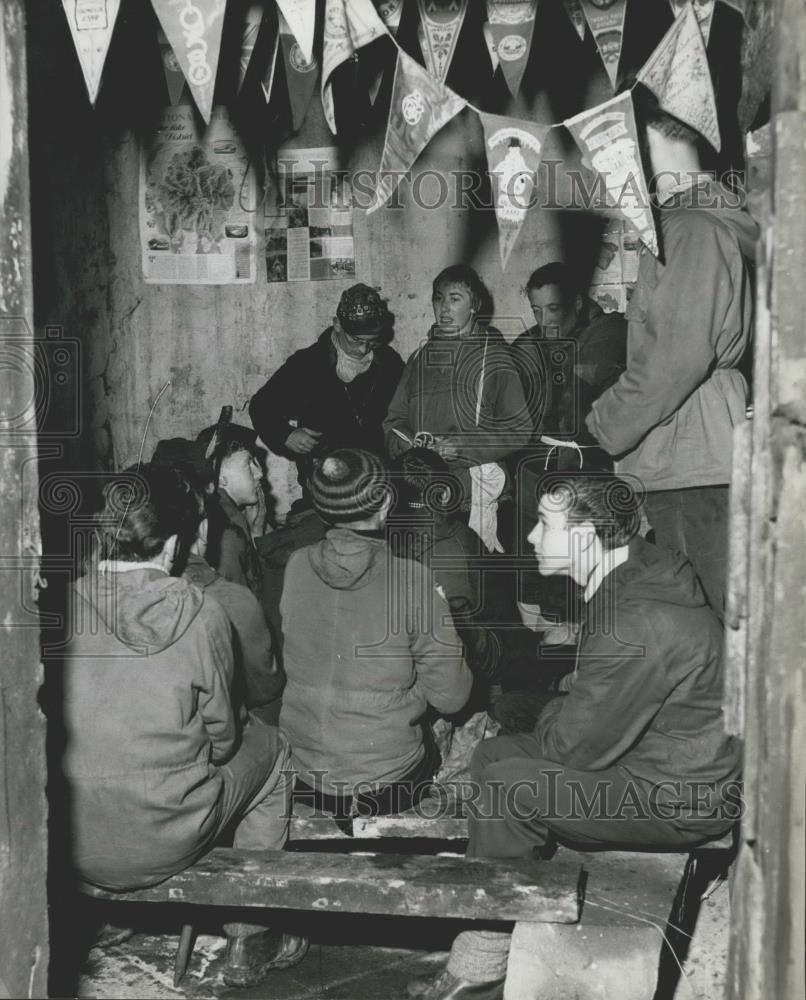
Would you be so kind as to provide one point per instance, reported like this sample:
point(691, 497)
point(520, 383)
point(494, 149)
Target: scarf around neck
point(348, 367)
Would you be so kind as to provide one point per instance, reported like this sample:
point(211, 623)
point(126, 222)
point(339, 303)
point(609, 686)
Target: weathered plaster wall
point(217, 345)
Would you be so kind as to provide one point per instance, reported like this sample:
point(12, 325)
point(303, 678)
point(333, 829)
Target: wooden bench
point(402, 885)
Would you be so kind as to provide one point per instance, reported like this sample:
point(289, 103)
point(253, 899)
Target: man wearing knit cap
point(335, 393)
point(383, 649)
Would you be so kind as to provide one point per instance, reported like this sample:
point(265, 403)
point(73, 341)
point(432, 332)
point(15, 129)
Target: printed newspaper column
point(512, 23)
point(677, 73)
point(438, 31)
point(390, 12)
point(91, 25)
point(608, 140)
point(193, 28)
point(349, 25)
point(703, 9)
point(300, 16)
point(252, 20)
point(573, 8)
point(606, 21)
point(514, 150)
point(420, 107)
point(174, 77)
point(301, 75)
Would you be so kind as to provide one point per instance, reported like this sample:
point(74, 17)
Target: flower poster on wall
point(197, 203)
point(308, 222)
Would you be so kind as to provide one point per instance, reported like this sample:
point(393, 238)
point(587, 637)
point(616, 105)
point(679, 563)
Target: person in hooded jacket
point(383, 649)
point(634, 754)
point(460, 392)
point(669, 418)
point(157, 760)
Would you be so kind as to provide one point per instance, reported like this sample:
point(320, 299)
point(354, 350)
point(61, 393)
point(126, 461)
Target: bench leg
point(183, 952)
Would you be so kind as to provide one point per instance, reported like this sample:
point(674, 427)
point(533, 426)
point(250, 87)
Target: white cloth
point(487, 484)
point(348, 367)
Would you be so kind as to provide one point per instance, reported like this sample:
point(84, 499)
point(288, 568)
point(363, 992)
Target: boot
point(253, 951)
point(447, 987)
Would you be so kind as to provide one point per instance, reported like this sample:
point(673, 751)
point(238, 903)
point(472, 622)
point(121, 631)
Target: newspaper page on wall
point(198, 201)
point(616, 270)
point(309, 218)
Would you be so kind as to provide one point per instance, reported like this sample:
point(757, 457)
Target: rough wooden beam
point(377, 827)
point(403, 885)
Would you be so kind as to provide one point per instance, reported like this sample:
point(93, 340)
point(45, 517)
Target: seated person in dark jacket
point(335, 393)
point(639, 732)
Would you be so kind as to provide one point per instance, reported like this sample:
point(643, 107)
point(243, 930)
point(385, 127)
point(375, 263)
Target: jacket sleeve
point(442, 675)
point(217, 672)
point(272, 408)
point(397, 416)
point(614, 697)
point(509, 413)
point(671, 335)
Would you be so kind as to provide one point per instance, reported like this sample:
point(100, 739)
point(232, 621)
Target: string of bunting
point(676, 72)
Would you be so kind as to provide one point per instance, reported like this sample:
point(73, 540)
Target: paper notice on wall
point(616, 270)
point(606, 22)
point(608, 140)
point(703, 10)
point(677, 73)
point(197, 203)
point(91, 25)
point(308, 221)
point(438, 32)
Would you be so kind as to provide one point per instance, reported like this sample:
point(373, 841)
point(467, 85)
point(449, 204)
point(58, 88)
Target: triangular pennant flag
point(91, 25)
point(420, 107)
point(739, 5)
point(608, 139)
point(194, 31)
point(438, 31)
point(606, 23)
point(349, 25)
point(252, 20)
point(514, 151)
point(390, 12)
point(677, 73)
point(267, 83)
point(573, 8)
point(703, 9)
point(300, 75)
point(300, 16)
point(512, 23)
point(174, 77)
point(489, 40)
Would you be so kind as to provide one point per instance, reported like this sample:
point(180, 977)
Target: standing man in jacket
point(634, 755)
point(335, 393)
point(669, 419)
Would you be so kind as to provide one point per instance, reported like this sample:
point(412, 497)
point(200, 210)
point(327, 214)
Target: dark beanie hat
point(348, 485)
point(363, 313)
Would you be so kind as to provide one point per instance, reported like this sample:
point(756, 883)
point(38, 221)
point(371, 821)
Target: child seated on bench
point(634, 755)
point(157, 762)
point(368, 645)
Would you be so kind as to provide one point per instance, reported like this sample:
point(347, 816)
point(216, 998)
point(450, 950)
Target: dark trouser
point(695, 522)
point(526, 800)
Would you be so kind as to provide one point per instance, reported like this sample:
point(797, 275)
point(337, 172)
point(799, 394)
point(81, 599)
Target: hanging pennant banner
point(512, 23)
point(349, 25)
point(253, 18)
point(489, 40)
point(606, 21)
point(193, 28)
point(703, 9)
point(91, 25)
point(573, 8)
point(420, 107)
point(514, 151)
point(174, 77)
point(677, 73)
point(267, 83)
point(438, 31)
point(300, 15)
point(300, 75)
point(608, 140)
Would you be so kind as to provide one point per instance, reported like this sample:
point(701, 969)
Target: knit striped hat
point(349, 485)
